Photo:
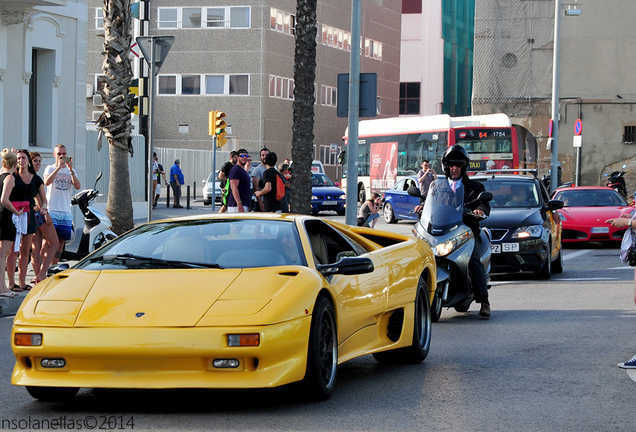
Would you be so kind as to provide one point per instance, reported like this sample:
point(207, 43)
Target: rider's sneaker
point(630, 364)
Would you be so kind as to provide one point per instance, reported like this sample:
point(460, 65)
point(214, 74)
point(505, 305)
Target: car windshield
point(590, 198)
point(320, 180)
point(223, 243)
point(211, 177)
point(512, 193)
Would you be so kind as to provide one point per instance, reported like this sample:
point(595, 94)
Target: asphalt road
point(545, 361)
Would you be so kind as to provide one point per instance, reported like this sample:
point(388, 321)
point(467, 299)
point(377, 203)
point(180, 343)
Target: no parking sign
point(578, 127)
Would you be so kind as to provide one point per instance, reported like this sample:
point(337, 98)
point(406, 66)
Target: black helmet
point(458, 155)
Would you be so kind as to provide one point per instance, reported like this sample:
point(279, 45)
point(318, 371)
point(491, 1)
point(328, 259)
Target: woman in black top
point(7, 210)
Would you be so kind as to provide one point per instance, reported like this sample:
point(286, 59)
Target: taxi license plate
point(329, 203)
point(504, 247)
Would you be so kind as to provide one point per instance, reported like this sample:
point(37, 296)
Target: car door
point(360, 299)
point(554, 220)
point(404, 203)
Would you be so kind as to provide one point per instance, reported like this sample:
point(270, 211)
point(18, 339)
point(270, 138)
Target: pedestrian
point(425, 177)
point(284, 170)
point(257, 176)
point(28, 186)
point(176, 180)
point(240, 185)
point(629, 240)
point(224, 175)
point(269, 185)
point(7, 210)
point(59, 178)
point(158, 174)
point(46, 231)
point(368, 213)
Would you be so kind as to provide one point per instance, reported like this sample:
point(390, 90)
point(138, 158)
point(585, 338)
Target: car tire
point(52, 394)
point(421, 343)
point(557, 265)
point(322, 354)
point(546, 269)
point(340, 212)
point(389, 215)
point(207, 202)
point(436, 307)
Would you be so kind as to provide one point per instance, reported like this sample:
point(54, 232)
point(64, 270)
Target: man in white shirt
point(58, 179)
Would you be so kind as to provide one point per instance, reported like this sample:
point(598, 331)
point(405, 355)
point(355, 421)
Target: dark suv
point(524, 224)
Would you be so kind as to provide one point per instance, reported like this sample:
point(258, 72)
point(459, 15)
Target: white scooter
point(97, 226)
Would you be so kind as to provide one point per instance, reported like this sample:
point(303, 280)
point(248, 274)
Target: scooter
point(441, 226)
point(97, 225)
point(616, 181)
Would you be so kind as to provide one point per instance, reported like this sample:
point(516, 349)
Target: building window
point(239, 85)
point(410, 98)
point(192, 17)
point(191, 84)
point(329, 96)
point(214, 84)
point(100, 83)
point(99, 19)
point(167, 85)
point(630, 134)
point(281, 87)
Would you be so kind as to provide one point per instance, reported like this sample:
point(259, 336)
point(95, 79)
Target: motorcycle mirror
point(99, 175)
point(624, 166)
point(484, 196)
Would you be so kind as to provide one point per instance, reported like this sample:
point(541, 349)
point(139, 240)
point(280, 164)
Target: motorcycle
point(441, 226)
point(616, 181)
point(96, 231)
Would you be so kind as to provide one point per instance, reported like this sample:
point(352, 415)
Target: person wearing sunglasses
point(240, 185)
point(455, 162)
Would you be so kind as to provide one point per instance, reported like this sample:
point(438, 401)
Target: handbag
point(628, 246)
point(631, 255)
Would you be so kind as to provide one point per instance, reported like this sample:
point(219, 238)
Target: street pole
point(554, 159)
point(214, 176)
point(354, 115)
point(151, 128)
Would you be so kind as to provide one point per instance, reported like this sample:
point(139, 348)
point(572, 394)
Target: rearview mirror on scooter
point(99, 175)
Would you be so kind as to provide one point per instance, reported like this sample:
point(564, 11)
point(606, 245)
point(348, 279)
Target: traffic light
point(133, 101)
point(219, 128)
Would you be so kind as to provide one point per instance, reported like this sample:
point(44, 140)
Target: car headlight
point(450, 245)
point(527, 232)
point(343, 197)
point(314, 197)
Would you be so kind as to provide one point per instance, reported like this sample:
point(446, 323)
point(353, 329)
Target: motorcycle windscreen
point(443, 208)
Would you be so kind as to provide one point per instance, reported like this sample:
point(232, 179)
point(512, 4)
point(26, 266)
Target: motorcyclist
point(455, 162)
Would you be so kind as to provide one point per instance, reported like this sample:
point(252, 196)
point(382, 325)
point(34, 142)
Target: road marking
point(621, 268)
point(576, 254)
point(585, 279)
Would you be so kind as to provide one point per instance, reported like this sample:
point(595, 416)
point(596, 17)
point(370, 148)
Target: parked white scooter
point(96, 231)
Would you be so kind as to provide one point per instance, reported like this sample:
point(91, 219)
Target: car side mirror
point(554, 205)
point(57, 268)
point(414, 192)
point(348, 266)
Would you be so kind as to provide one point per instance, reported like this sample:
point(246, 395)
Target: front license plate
point(504, 247)
point(600, 230)
point(495, 248)
point(329, 203)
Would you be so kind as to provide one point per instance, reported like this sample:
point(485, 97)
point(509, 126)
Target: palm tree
point(114, 123)
point(303, 127)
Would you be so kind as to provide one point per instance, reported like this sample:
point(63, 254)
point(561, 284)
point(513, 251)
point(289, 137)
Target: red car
point(586, 210)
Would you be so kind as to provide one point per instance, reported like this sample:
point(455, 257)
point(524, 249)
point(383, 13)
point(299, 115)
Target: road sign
point(134, 49)
point(368, 95)
point(578, 126)
point(162, 46)
point(577, 140)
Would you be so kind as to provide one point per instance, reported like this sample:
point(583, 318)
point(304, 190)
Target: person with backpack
point(272, 186)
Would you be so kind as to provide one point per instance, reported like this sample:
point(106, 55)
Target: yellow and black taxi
point(524, 223)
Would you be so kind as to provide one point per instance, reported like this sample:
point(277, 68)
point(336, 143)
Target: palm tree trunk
point(114, 123)
point(303, 127)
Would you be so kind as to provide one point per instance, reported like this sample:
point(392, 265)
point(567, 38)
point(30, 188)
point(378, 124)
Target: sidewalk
point(9, 306)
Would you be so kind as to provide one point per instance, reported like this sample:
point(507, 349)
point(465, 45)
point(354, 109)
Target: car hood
point(593, 215)
point(326, 190)
point(161, 298)
point(512, 218)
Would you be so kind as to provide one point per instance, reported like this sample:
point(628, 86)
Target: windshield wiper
point(150, 260)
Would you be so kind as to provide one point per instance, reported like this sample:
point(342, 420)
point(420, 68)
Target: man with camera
point(58, 179)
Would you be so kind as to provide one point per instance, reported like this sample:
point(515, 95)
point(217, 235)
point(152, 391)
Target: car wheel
point(417, 352)
point(557, 266)
point(462, 308)
point(389, 216)
point(322, 355)
point(207, 202)
point(361, 195)
point(546, 268)
point(52, 394)
point(340, 212)
point(436, 307)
